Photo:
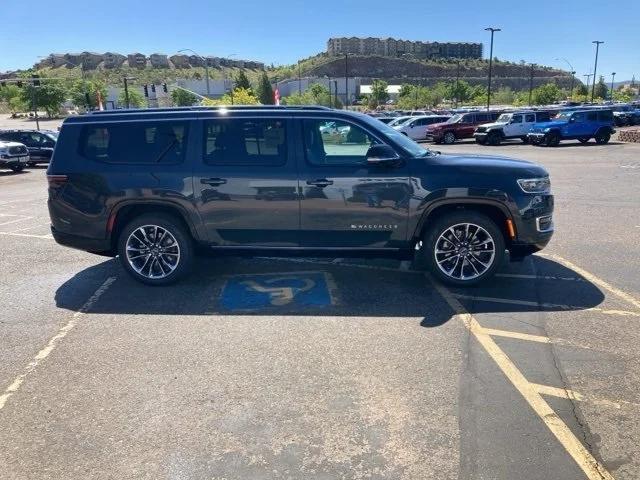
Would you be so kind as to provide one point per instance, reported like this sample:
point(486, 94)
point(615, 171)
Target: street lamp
point(595, 68)
point(613, 76)
point(492, 30)
point(206, 66)
point(573, 73)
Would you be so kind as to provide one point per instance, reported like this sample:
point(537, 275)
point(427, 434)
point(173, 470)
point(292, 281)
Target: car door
point(578, 125)
point(417, 129)
point(529, 121)
point(346, 202)
point(516, 126)
point(468, 124)
point(246, 182)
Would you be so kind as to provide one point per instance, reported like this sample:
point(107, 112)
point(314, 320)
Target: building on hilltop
point(391, 47)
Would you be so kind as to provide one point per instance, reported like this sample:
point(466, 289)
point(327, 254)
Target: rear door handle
point(214, 182)
point(322, 182)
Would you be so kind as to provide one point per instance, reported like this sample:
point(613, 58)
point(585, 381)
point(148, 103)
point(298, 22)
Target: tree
point(136, 99)
point(546, 94)
point(460, 92)
point(624, 94)
point(379, 94)
point(601, 90)
point(50, 95)
point(240, 96)
point(316, 94)
point(242, 81)
point(11, 95)
point(265, 92)
point(503, 96)
point(183, 98)
point(81, 89)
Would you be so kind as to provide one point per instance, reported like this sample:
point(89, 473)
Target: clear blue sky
point(281, 31)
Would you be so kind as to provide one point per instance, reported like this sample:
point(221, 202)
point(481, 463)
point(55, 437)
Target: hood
point(6, 144)
point(552, 123)
point(489, 164)
point(491, 125)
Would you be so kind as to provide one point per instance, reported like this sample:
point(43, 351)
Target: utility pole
point(530, 84)
point(335, 88)
point(457, 82)
point(595, 68)
point(613, 76)
point(35, 83)
point(573, 77)
point(126, 92)
point(492, 30)
point(346, 81)
point(588, 76)
point(299, 80)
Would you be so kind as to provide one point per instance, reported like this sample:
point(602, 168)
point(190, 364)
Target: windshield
point(411, 147)
point(455, 119)
point(504, 118)
point(398, 121)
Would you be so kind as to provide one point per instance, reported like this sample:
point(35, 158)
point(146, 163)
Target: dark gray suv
point(155, 186)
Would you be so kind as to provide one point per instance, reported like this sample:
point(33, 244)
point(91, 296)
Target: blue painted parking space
point(264, 291)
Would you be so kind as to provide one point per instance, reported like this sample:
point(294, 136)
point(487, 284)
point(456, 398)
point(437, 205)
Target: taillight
point(56, 180)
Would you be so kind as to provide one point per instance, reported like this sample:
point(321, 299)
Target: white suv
point(509, 125)
point(416, 127)
point(13, 155)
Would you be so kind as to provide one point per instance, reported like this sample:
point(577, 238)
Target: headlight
point(535, 185)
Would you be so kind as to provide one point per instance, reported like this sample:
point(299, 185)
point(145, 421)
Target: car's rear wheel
point(583, 139)
point(463, 248)
point(552, 139)
point(155, 249)
point(493, 139)
point(17, 168)
point(448, 138)
point(602, 138)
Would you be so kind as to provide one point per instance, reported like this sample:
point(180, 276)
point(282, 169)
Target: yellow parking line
point(589, 465)
point(594, 279)
point(53, 341)
point(520, 336)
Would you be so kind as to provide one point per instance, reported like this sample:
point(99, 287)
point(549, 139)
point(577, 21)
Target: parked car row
point(26, 148)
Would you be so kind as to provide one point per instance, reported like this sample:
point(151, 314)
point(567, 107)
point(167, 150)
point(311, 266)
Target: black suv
point(155, 186)
point(39, 143)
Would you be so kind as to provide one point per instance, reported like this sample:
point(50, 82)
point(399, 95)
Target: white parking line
point(16, 220)
point(529, 391)
point(53, 341)
point(46, 225)
point(539, 277)
point(11, 234)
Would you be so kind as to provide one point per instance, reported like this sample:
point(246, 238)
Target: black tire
point(525, 139)
point(584, 139)
point(552, 139)
point(603, 138)
point(448, 138)
point(182, 238)
point(481, 141)
point(426, 256)
point(17, 168)
point(494, 139)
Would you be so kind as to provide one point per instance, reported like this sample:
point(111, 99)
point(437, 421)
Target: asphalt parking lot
point(322, 368)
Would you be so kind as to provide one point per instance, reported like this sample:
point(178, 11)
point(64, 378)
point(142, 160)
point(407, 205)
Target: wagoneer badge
point(373, 226)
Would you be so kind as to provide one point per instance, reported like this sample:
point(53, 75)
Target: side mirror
point(381, 155)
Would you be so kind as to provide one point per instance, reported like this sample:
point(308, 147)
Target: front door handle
point(214, 182)
point(322, 182)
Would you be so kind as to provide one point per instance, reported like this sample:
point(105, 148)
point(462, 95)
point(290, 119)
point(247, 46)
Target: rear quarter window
point(606, 116)
point(135, 143)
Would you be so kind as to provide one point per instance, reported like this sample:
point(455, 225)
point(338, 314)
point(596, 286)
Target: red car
point(461, 125)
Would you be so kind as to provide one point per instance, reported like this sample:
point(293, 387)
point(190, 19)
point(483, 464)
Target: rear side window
point(482, 117)
point(530, 117)
point(135, 143)
point(543, 116)
point(592, 116)
point(245, 142)
point(605, 116)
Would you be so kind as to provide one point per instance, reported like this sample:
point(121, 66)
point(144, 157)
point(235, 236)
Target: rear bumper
point(92, 245)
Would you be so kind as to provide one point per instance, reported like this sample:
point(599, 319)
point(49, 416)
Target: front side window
point(516, 119)
point(135, 143)
point(579, 117)
point(530, 117)
point(341, 144)
point(257, 142)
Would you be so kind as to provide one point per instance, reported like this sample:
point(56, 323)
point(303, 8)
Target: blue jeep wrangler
point(579, 125)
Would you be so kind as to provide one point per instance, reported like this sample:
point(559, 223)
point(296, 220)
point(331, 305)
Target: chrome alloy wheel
point(464, 251)
point(152, 251)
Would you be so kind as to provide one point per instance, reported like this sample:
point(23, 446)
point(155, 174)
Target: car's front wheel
point(602, 138)
point(155, 249)
point(17, 168)
point(463, 248)
point(552, 139)
point(494, 138)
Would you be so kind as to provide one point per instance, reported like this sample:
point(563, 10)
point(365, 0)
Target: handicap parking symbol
point(254, 292)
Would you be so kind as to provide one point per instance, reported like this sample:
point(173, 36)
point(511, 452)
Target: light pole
point(492, 30)
point(530, 84)
point(595, 68)
point(613, 77)
point(457, 81)
point(573, 73)
point(588, 76)
point(206, 66)
point(346, 81)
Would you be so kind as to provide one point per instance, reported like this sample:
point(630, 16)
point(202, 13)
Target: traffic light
point(146, 90)
point(164, 88)
point(36, 80)
point(153, 87)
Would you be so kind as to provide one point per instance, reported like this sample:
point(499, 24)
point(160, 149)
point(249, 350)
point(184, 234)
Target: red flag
point(276, 96)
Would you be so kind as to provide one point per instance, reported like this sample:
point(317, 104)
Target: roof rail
point(204, 108)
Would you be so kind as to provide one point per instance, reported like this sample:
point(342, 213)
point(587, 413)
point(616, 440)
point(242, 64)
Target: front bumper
point(536, 137)
point(433, 136)
point(480, 135)
point(17, 160)
point(534, 227)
